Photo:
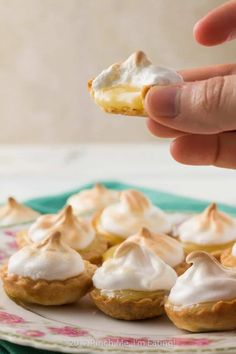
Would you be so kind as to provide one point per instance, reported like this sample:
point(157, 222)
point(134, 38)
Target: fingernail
point(163, 101)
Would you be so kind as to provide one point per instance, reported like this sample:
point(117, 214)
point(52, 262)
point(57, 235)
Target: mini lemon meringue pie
point(47, 273)
point(167, 248)
point(122, 87)
point(132, 285)
point(228, 257)
point(204, 297)
point(13, 213)
point(79, 234)
point(211, 231)
point(90, 201)
point(128, 216)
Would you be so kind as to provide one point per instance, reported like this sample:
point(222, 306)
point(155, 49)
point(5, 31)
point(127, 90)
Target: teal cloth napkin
point(166, 201)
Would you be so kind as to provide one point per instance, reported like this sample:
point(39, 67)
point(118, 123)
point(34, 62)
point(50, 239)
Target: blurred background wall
point(50, 48)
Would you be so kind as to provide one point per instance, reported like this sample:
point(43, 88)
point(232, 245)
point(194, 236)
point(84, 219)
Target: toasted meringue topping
point(15, 213)
point(50, 260)
point(205, 281)
point(134, 267)
point(91, 200)
point(234, 250)
point(166, 247)
point(77, 233)
point(133, 212)
point(211, 227)
point(122, 83)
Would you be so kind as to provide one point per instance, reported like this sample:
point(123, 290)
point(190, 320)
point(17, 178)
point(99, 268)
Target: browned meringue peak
point(212, 215)
point(52, 259)
point(53, 242)
point(210, 227)
point(13, 213)
point(133, 211)
point(166, 247)
point(89, 201)
point(134, 201)
point(77, 233)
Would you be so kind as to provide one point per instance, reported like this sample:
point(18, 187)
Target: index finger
point(218, 26)
point(204, 73)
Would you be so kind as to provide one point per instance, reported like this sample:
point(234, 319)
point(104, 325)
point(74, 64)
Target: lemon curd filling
point(190, 247)
point(119, 97)
point(133, 295)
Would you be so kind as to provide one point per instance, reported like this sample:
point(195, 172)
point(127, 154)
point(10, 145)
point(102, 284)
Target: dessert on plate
point(125, 218)
point(133, 283)
point(122, 87)
point(76, 232)
point(47, 273)
point(167, 248)
point(89, 201)
point(13, 213)
point(204, 297)
point(211, 231)
point(228, 257)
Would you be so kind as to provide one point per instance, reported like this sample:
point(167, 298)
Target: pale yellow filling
point(191, 247)
point(119, 98)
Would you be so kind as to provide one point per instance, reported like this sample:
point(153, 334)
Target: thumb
point(201, 107)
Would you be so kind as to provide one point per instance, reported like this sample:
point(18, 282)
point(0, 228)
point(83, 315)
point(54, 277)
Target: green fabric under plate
point(166, 201)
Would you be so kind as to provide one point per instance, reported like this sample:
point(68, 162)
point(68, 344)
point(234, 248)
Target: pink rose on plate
point(10, 233)
point(12, 245)
point(3, 255)
point(8, 318)
point(69, 331)
point(192, 341)
point(32, 333)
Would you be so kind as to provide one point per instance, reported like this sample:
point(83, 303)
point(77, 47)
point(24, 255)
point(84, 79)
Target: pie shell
point(43, 292)
point(227, 259)
point(129, 309)
point(205, 317)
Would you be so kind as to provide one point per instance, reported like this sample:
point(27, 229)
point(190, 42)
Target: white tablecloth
point(30, 171)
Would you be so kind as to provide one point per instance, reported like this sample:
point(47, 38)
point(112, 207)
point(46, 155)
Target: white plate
point(81, 328)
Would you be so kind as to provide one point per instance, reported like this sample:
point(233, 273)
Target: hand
point(201, 113)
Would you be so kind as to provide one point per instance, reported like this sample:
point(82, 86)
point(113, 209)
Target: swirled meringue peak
point(50, 260)
point(89, 201)
point(136, 71)
point(167, 248)
point(13, 213)
point(131, 213)
point(205, 281)
point(77, 233)
point(134, 267)
point(211, 227)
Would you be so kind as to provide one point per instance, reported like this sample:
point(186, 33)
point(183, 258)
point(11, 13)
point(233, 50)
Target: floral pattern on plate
point(27, 326)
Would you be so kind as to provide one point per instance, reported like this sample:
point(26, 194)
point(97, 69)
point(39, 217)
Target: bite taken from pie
point(122, 87)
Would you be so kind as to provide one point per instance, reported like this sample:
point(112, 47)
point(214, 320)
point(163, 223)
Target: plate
point(81, 328)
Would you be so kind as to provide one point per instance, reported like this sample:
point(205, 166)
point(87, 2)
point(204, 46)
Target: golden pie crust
point(125, 110)
point(93, 253)
point(49, 293)
point(129, 305)
point(210, 316)
point(227, 259)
